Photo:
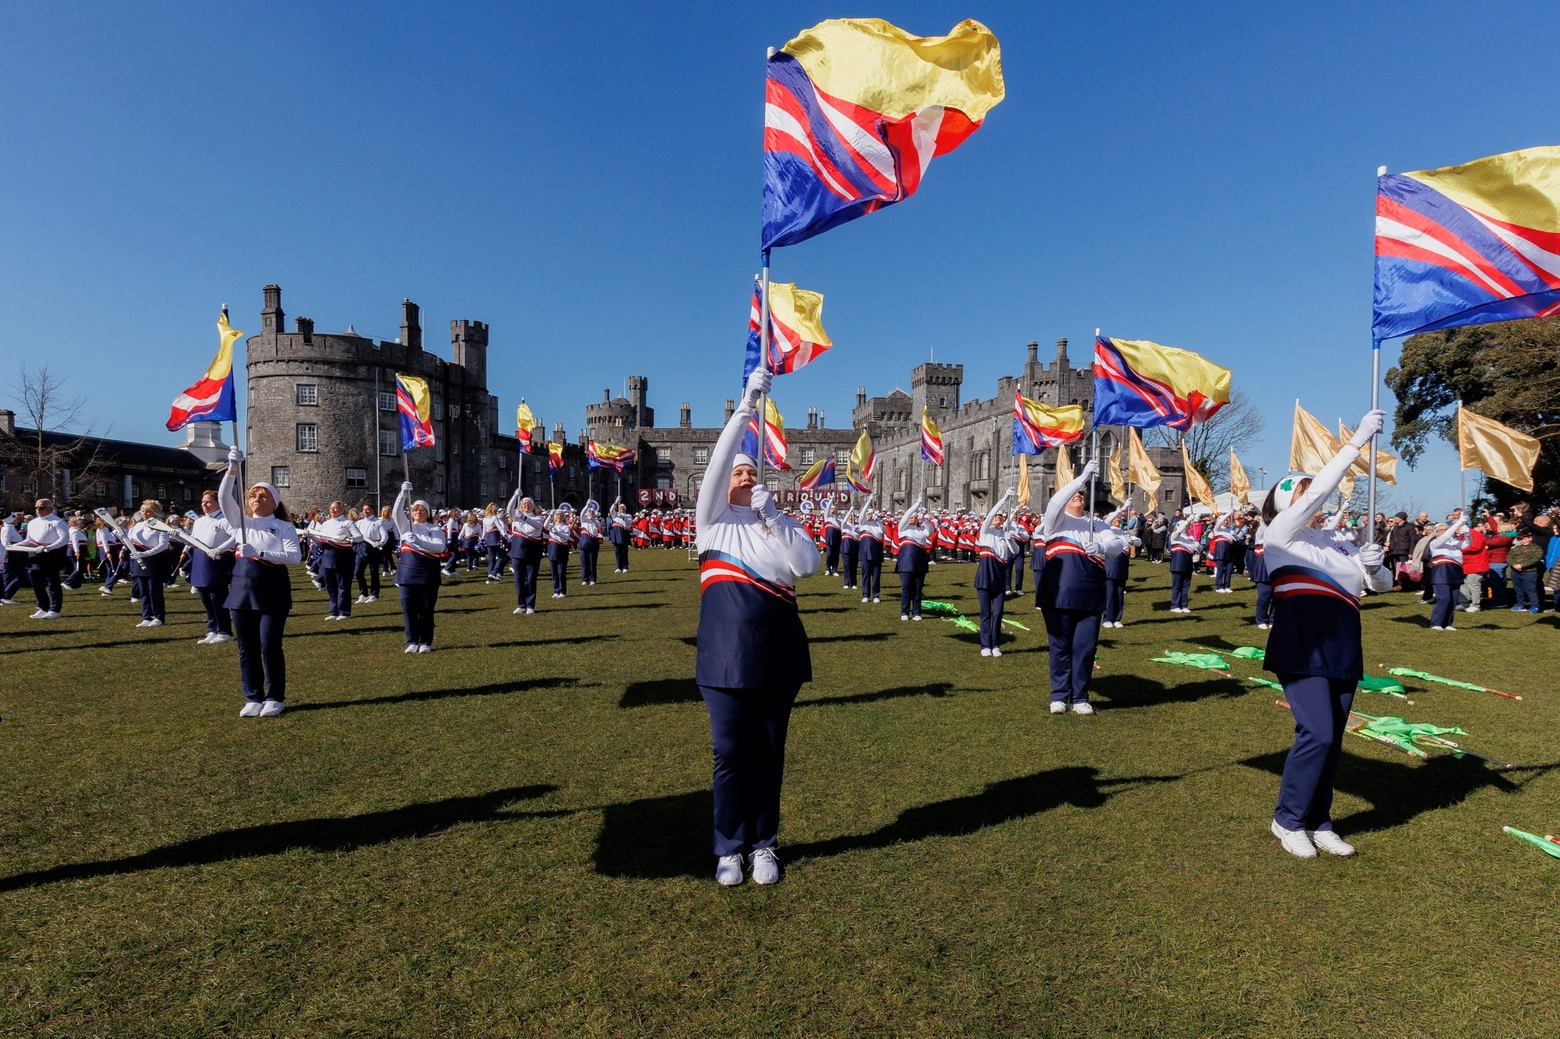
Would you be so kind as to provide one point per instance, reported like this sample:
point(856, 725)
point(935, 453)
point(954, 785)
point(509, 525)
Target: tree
point(1236, 426)
point(41, 460)
point(1509, 372)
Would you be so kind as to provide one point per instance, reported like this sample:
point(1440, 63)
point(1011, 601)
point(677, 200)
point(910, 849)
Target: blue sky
point(586, 180)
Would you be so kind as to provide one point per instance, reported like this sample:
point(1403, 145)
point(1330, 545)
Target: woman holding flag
point(1072, 591)
point(417, 573)
point(752, 648)
point(619, 534)
point(1446, 570)
point(589, 542)
point(1183, 555)
point(996, 550)
point(212, 578)
point(150, 564)
point(260, 596)
point(911, 562)
point(870, 551)
point(560, 538)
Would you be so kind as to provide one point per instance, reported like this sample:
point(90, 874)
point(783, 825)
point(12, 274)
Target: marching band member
point(370, 553)
point(915, 537)
point(752, 648)
point(1183, 554)
point(494, 543)
point(451, 521)
point(560, 538)
point(150, 563)
point(1257, 570)
point(112, 552)
point(260, 597)
point(470, 538)
point(1020, 534)
point(338, 537)
point(1315, 648)
point(831, 537)
point(421, 543)
point(1117, 569)
point(589, 542)
point(996, 549)
point(314, 548)
point(1073, 584)
point(76, 553)
point(212, 578)
point(1220, 548)
point(850, 542)
point(1446, 570)
point(527, 534)
point(619, 533)
point(46, 538)
point(869, 550)
point(13, 565)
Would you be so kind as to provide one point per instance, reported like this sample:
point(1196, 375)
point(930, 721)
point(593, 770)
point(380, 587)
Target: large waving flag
point(854, 111)
point(1141, 468)
point(796, 334)
point(1142, 384)
point(415, 404)
point(210, 399)
point(1037, 427)
point(606, 456)
point(524, 423)
point(776, 449)
point(1470, 244)
point(1505, 454)
point(861, 466)
point(819, 474)
point(1196, 486)
point(554, 458)
point(931, 440)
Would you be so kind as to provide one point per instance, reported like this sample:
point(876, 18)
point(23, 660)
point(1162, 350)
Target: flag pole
point(1094, 456)
point(243, 488)
point(763, 330)
point(1375, 402)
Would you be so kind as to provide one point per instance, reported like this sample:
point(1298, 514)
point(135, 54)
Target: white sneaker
point(424, 648)
point(54, 615)
point(529, 610)
point(1120, 625)
point(105, 590)
point(37, 615)
point(221, 637)
point(876, 599)
point(1471, 609)
point(1294, 841)
point(251, 709)
point(996, 652)
point(1330, 842)
point(1058, 707)
point(140, 624)
point(904, 616)
point(411, 647)
point(207, 640)
point(134, 600)
point(153, 623)
point(1448, 628)
point(1262, 627)
point(766, 866)
point(1436, 627)
point(864, 598)
point(728, 871)
point(985, 651)
point(271, 708)
point(519, 611)
point(11, 602)
point(1083, 707)
point(372, 598)
point(916, 617)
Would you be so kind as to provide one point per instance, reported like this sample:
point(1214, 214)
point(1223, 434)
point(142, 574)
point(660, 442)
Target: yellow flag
point(1196, 486)
point(1139, 467)
point(1311, 446)
point(1118, 486)
point(1386, 464)
point(1064, 469)
point(1025, 495)
point(1504, 454)
point(861, 466)
point(524, 423)
point(1240, 483)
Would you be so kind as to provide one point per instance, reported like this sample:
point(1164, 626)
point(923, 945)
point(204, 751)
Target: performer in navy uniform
point(47, 537)
point(212, 578)
point(1446, 570)
point(1257, 569)
point(831, 537)
point(850, 543)
point(494, 543)
point(1117, 570)
point(112, 552)
point(619, 534)
point(915, 539)
point(1183, 554)
point(150, 564)
point(527, 534)
point(869, 550)
point(1315, 647)
point(752, 648)
point(560, 538)
point(13, 565)
point(338, 538)
point(1073, 591)
point(1221, 549)
point(589, 542)
point(417, 574)
point(370, 553)
point(1018, 533)
point(261, 594)
point(996, 550)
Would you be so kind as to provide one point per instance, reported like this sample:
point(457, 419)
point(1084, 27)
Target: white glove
point(1370, 425)
point(1371, 557)
point(248, 551)
point(1090, 470)
point(757, 386)
point(764, 504)
point(235, 456)
point(407, 487)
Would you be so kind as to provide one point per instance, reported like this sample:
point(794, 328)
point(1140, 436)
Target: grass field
point(510, 835)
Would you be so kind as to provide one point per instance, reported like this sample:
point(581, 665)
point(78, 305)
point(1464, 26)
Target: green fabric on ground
point(938, 607)
point(1548, 847)
point(1249, 653)
point(1408, 672)
point(1206, 661)
point(1388, 686)
point(1265, 682)
point(1403, 733)
point(963, 622)
point(1014, 624)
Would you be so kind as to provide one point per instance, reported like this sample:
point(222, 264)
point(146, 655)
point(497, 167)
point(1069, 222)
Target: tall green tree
point(1509, 372)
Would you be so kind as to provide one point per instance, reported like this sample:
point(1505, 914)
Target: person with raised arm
point(752, 649)
point(560, 539)
point(150, 564)
point(1184, 549)
point(260, 596)
point(527, 535)
point(1072, 590)
point(915, 539)
point(338, 537)
point(620, 533)
point(996, 549)
point(1257, 570)
point(869, 550)
point(589, 542)
point(1315, 647)
point(850, 543)
point(831, 536)
point(1221, 550)
point(1446, 570)
point(1117, 570)
point(417, 573)
point(370, 553)
point(213, 578)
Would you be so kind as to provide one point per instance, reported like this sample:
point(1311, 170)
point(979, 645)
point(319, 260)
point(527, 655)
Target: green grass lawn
point(510, 835)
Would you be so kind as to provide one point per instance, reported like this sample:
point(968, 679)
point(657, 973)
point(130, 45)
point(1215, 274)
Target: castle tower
point(468, 347)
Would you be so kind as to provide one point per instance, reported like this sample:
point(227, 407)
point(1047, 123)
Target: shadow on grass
point(496, 689)
point(874, 636)
point(937, 690)
point(1398, 791)
point(1178, 618)
point(543, 642)
point(1126, 691)
point(333, 834)
point(660, 837)
point(97, 645)
point(829, 609)
point(661, 691)
point(627, 606)
point(346, 631)
point(1416, 619)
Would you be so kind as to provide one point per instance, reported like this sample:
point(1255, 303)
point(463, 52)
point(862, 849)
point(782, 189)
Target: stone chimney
point(305, 328)
point(686, 421)
point(812, 418)
point(557, 436)
point(411, 325)
point(1061, 352)
point(271, 316)
point(731, 409)
point(861, 395)
point(606, 396)
point(1034, 351)
point(7, 422)
point(468, 348)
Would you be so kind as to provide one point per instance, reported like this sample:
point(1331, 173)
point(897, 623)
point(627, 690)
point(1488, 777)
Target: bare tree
point(42, 460)
point(1235, 426)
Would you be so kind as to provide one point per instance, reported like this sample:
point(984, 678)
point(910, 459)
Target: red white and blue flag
point(931, 440)
point(606, 456)
point(796, 334)
point(415, 403)
point(776, 448)
point(1037, 427)
point(819, 474)
point(1141, 384)
point(211, 399)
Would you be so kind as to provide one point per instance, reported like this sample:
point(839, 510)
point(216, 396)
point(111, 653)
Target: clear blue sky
point(586, 180)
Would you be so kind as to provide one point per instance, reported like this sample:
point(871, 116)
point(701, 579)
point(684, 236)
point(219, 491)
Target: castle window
point(942, 402)
point(281, 476)
point(807, 456)
point(438, 483)
point(308, 393)
point(102, 489)
point(701, 456)
point(308, 436)
point(386, 401)
point(389, 443)
point(357, 478)
point(455, 411)
point(482, 489)
point(503, 461)
point(904, 480)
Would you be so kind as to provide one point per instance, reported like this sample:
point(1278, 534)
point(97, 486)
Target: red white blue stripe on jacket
point(1292, 581)
point(718, 568)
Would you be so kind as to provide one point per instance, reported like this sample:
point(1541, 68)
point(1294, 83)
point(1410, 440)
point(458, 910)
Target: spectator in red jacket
point(1476, 564)
point(1497, 542)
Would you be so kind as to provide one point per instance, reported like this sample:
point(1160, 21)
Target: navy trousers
point(43, 569)
point(149, 587)
point(1074, 636)
point(848, 559)
point(589, 555)
point(1115, 600)
point(831, 560)
point(11, 573)
point(871, 579)
point(910, 590)
point(1180, 591)
point(747, 728)
point(369, 562)
point(525, 582)
point(496, 557)
point(1445, 610)
point(620, 556)
point(1016, 573)
point(218, 620)
point(558, 564)
point(260, 659)
point(1221, 573)
point(417, 603)
point(1525, 584)
point(991, 604)
point(1264, 602)
point(1321, 709)
point(338, 586)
